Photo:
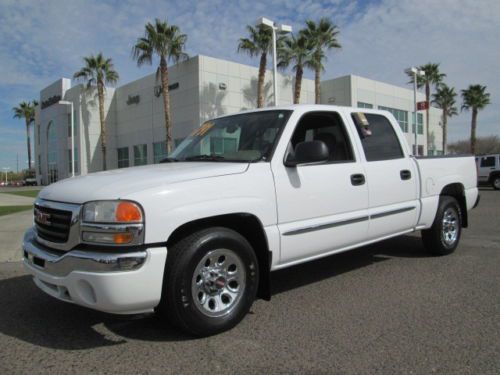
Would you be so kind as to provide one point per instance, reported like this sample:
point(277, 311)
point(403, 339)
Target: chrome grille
point(52, 224)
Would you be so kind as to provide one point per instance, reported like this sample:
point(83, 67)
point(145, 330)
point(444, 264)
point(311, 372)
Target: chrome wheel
point(450, 227)
point(218, 282)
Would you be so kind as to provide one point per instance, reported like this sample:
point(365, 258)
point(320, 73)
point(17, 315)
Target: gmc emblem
point(42, 217)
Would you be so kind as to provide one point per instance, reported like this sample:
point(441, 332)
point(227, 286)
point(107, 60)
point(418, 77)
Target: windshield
point(245, 137)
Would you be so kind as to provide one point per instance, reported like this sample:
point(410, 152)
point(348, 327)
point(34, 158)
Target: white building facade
point(200, 88)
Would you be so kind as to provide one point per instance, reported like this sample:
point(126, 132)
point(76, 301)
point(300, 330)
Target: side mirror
point(308, 153)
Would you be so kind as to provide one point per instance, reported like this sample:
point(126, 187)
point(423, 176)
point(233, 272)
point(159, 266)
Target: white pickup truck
point(196, 237)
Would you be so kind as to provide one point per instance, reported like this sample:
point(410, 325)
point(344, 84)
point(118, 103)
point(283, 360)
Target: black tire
point(495, 182)
point(443, 237)
point(179, 303)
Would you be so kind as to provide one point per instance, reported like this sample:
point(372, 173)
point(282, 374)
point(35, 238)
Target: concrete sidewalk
point(12, 228)
point(15, 200)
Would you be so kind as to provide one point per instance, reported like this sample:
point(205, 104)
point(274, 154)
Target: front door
point(321, 208)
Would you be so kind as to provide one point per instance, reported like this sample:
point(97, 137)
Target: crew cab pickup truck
point(196, 237)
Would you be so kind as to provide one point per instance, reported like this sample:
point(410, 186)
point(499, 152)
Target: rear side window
point(381, 142)
point(488, 161)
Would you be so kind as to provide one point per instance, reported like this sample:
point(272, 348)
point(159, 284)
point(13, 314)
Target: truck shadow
point(333, 265)
point(29, 315)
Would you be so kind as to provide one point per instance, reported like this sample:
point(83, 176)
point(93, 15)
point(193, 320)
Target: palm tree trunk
point(298, 85)
point(28, 141)
point(473, 132)
point(260, 82)
point(445, 130)
point(166, 102)
point(427, 100)
point(317, 78)
point(100, 92)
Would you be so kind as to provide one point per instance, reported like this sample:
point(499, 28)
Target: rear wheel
point(210, 281)
point(443, 237)
point(495, 182)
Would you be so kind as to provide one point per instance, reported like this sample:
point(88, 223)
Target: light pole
point(282, 28)
point(65, 102)
point(6, 169)
point(421, 73)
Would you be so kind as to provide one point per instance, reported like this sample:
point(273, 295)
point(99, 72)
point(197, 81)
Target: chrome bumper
point(57, 263)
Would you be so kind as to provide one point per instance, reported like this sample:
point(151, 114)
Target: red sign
point(421, 106)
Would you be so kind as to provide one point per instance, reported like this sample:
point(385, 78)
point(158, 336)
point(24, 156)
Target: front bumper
point(120, 283)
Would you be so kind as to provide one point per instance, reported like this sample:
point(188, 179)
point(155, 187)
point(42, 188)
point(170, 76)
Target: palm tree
point(322, 36)
point(474, 97)
point(167, 42)
point(259, 43)
point(444, 98)
point(26, 110)
point(297, 50)
point(97, 72)
point(432, 77)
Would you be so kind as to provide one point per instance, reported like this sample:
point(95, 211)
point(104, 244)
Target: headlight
point(112, 212)
point(112, 222)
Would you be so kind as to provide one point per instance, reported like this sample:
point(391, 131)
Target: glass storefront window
point(365, 105)
point(123, 159)
point(159, 151)
point(141, 154)
point(52, 153)
point(420, 124)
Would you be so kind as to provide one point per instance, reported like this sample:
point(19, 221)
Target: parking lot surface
point(384, 309)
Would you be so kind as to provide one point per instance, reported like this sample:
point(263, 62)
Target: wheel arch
point(493, 175)
point(457, 191)
point(250, 227)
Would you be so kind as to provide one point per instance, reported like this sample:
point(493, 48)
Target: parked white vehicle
point(195, 238)
point(489, 170)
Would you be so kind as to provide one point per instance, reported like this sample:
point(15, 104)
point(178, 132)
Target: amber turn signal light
point(123, 238)
point(128, 212)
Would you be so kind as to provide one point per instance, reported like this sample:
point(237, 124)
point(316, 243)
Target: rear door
point(391, 177)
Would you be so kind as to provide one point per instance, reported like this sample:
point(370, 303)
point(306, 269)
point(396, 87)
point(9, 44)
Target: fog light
point(98, 237)
point(112, 238)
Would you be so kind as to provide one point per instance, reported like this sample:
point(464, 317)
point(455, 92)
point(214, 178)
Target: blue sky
point(41, 41)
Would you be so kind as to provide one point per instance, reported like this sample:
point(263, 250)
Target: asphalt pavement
point(384, 309)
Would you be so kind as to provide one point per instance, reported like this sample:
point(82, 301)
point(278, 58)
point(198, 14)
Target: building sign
point(133, 99)
point(158, 89)
point(421, 106)
point(52, 100)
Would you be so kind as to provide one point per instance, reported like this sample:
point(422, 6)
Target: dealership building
point(200, 88)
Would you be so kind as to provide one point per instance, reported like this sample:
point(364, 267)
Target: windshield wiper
point(168, 160)
point(205, 158)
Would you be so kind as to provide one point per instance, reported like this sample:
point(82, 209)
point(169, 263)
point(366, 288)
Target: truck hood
point(118, 183)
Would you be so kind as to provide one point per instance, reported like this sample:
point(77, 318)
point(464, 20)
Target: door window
point(488, 161)
point(380, 142)
point(328, 128)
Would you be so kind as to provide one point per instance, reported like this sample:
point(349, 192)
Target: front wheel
point(495, 182)
point(210, 281)
point(443, 237)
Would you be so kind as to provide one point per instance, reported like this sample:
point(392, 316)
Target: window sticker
point(203, 129)
point(363, 123)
